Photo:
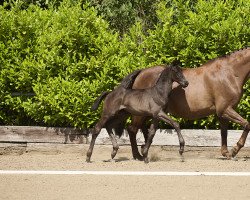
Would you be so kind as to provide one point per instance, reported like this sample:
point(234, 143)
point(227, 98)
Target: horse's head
point(178, 76)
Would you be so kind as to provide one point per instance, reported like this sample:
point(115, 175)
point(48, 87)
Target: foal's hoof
point(88, 160)
point(182, 159)
point(146, 161)
point(181, 151)
point(233, 152)
point(114, 152)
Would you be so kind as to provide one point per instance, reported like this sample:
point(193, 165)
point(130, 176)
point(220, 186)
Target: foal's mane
point(167, 68)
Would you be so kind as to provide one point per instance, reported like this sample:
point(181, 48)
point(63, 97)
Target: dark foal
point(214, 88)
point(151, 102)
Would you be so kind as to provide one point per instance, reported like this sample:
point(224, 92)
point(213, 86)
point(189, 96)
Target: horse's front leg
point(163, 116)
point(233, 116)
point(224, 127)
point(132, 129)
point(145, 133)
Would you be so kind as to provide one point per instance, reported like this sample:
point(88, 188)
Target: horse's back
point(148, 77)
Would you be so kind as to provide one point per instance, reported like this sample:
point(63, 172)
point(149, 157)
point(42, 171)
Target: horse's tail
point(128, 81)
point(98, 100)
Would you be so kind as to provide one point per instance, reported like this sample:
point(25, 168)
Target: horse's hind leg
point(176, 126)
point(233, 116)
point(149, 140)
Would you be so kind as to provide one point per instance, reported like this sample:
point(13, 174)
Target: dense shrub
point(68, 52)
point(124, 13)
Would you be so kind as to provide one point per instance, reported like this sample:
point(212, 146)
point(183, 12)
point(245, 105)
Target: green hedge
point(69, 53)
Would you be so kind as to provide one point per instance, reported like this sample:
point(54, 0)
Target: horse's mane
point(227, 55)
point(234, 52)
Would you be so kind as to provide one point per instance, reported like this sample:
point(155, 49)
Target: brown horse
point(214, 88)
point(150, 102)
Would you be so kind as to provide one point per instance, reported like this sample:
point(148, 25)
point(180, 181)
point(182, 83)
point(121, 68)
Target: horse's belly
point(191, 114)
point(190, 105)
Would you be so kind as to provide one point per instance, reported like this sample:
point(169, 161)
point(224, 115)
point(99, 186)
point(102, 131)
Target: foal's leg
point(233, 116)
point(176, 126)
point(149, 140)
point(224, 128)
point(114, 142)
point(95, 132)
point(119, 119)
point(110, 125)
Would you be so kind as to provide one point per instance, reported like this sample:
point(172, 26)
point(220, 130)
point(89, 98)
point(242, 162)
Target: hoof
point(233, 153)
point(114, 152)
point(146, 161)
point(138, 157)
point(234, 159)
point(182, 159)
point(181, 151)
point(226, 155)
point(229, 156)
point(88, 160)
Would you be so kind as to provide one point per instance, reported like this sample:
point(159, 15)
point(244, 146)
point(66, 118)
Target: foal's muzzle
point(184, 84)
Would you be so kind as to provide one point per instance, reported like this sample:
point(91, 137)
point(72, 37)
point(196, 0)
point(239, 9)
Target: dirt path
point(125, 187)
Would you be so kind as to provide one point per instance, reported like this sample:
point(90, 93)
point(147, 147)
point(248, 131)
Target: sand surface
point(124, 187)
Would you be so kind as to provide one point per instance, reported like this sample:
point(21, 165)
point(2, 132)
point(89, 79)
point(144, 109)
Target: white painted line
point(123, 173)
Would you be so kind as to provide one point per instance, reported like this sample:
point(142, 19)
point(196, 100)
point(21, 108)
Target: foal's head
point(178, 76)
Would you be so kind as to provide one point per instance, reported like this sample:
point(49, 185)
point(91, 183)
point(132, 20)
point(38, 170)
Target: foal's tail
point(98, 101)
point(126, 83)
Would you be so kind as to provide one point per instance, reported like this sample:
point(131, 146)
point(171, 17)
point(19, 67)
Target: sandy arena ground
point(123, 187)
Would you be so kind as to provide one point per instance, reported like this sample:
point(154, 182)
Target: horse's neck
point(241, 66)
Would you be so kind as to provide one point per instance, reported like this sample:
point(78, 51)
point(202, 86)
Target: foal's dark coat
point(146, 102)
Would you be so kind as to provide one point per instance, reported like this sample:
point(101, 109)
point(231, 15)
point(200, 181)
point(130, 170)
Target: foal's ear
point(176, 62)
point(175, 67)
